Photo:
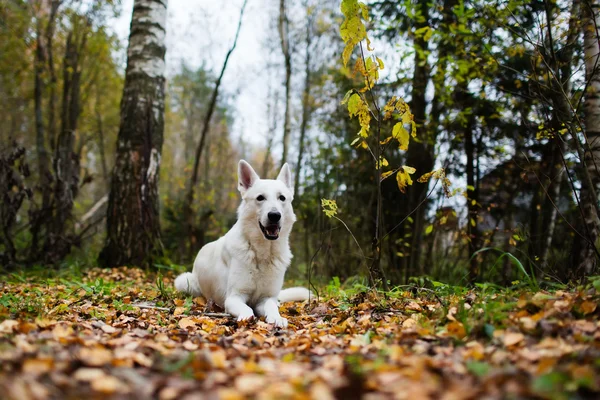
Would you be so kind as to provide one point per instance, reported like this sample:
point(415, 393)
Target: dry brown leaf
point(8, 326)
point(108, 385)
point(187, 322)
point(95, 356)
point(88, 374)
point(250, 383)
point(37, 366)
point(512, 338)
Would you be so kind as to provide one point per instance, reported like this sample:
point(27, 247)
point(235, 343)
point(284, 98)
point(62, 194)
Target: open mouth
point(270, 231)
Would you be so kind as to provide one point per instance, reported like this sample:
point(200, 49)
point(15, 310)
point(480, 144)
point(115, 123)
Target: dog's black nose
point(274, 216)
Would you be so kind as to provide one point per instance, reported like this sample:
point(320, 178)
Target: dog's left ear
point(285, 175)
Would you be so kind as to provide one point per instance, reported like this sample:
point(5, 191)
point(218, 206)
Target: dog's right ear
point(246, 176)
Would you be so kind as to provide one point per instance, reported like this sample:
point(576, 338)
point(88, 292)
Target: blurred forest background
point(504, 96)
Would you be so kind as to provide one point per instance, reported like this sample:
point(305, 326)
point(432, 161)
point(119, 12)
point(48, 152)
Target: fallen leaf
point(95, 357)
point(187, 322)
point(88, 374)
point(108, 385)
point(512, 338)
point(37, 366)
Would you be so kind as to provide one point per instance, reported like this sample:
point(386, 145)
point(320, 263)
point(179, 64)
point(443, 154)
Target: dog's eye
point(260, 198)
point(282, 198)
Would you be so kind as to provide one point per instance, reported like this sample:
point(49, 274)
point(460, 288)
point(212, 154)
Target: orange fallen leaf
point(37, 366)
point(588, 307)
point(456, 329)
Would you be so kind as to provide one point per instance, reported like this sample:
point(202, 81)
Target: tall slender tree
point(284, 37)
point(585, 251)
point(133, 228)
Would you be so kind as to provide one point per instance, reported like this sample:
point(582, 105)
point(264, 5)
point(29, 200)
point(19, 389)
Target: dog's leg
point(269, 309)
point(236, 306)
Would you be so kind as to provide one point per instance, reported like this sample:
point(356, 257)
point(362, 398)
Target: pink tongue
point(272, 230)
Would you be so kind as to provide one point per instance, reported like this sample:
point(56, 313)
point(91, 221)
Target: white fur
point(243, 270)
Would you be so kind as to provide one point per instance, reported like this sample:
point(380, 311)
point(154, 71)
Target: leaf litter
point(124, 333)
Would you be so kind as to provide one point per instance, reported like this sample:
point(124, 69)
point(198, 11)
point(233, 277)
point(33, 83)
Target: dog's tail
point(188, 283)
point(295, 294)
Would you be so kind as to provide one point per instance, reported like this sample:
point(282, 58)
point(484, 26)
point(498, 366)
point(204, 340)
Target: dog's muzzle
point(271, 231)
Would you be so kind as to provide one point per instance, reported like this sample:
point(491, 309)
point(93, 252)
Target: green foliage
point(529, 278)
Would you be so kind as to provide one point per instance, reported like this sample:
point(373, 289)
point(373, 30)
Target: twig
point(151, 307)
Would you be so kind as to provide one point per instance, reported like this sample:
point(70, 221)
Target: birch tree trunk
point(585, 256)
point(133, 227)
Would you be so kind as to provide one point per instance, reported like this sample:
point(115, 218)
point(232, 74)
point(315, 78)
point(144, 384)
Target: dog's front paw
point(279, 322)
point(245, 317)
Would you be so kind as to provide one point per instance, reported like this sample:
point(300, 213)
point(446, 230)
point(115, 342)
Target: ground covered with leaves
point(123, 333)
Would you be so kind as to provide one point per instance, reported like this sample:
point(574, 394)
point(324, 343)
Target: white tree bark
point(133, 227)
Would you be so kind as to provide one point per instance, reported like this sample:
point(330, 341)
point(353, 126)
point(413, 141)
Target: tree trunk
point(101, 141)
point(133, 226)
point(45, 176)
point(188, 216)
point(272, 106)
point(586, 251)
point(66, 161)
point(419, 154)
point(55, 4)
point(472, 200)
point(285, 48)
point(305, 105)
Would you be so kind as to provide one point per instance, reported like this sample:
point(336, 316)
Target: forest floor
point(125, 333)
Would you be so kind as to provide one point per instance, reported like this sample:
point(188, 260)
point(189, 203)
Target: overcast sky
point(202, 31)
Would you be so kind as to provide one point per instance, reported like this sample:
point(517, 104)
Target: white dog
point(243, 271)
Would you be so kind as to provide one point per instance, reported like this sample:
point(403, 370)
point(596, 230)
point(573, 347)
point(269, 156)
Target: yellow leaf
point(352, 32)
point(349, 7)
point(347, 96)
point(403, 177)
point(429, 229)
point(382, 162)
point(355, 104)
point(330, 207)
point(401, 135)
point(364, 10)
point(389, 108)
point(347, 53)
point(386, 140)
point(386, 174)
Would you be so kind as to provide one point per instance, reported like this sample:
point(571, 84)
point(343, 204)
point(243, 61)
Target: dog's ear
point(246, 176)
point(285, 175)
